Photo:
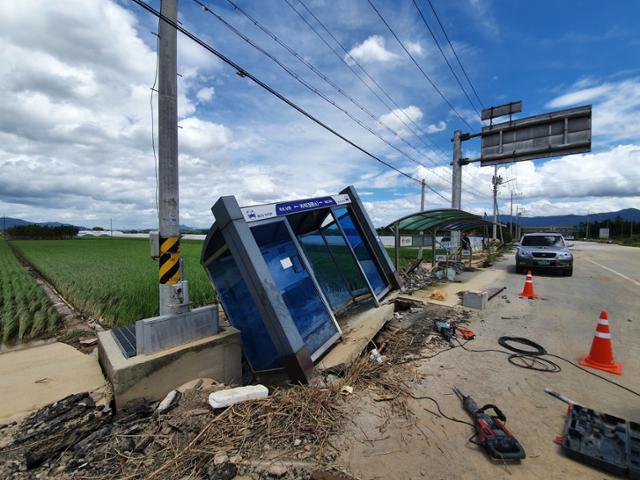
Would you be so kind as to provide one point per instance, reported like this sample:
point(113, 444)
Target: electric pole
point(111, 225)
point(587, 234)
point(172, 296)
point(496, 180)
point(420, 250)
point(511, 216)
point(456, 183)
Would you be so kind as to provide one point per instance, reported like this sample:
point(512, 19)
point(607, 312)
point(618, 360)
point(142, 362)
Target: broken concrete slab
point(152, 376)
point(356, 334)
point(34, 377)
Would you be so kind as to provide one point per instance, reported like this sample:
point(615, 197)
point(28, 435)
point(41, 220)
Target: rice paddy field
point(25, 309)
point(112, 279)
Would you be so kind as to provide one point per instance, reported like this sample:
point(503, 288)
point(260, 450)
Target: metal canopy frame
point(433, 221)
point(446, 219)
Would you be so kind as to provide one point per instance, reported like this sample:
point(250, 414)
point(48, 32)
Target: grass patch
point(25, 309)
point(113, 279)
point(631, 242)
point(408, 255)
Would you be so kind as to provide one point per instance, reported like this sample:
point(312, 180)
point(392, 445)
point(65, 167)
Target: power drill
point(447, 330)
point(492, 434)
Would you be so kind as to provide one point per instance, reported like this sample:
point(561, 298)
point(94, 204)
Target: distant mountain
point(628, 214)
point(8, 222)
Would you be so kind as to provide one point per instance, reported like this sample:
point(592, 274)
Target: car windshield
point(543, 241)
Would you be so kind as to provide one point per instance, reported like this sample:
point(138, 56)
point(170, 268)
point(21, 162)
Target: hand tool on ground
point(492, 433)
point(559, 396)
point(466, 333)
point(447, 330)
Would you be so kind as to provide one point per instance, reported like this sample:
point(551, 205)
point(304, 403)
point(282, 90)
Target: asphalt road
point(606, 277)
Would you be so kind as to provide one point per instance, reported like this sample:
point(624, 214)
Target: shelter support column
point(371, 237)
point(272, 309)
point(396, 245)
point(433, 248)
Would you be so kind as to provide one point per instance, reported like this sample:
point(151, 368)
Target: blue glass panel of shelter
point(361, 249)
point(309, 313)
point(243, 314)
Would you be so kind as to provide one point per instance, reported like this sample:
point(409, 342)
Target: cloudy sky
point(75, 115)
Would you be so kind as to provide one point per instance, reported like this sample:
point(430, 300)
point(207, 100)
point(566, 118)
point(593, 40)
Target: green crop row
point(25, 310)
point(112, 279)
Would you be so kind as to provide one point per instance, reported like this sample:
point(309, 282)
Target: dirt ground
point(381, 444)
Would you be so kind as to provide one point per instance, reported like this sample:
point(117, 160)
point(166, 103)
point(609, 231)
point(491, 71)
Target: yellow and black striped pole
point(169, 260)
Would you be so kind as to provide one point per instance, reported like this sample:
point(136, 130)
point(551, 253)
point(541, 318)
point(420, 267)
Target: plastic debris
point(231, 396)
point(170, 401)
point(346, 390)
point(375, 356)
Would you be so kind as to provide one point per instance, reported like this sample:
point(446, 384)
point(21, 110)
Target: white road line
point(614, 272)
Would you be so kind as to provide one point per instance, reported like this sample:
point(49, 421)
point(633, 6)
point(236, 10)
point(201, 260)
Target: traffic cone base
point(616, 368)
point(527, 291)
point(601, 354)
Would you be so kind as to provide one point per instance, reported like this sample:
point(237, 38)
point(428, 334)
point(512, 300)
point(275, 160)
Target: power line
point(245, 74)
point(303, 82)
point(435, 39)
point(454, 53)
point(431, 145)
point(315, 70)
point(424, 74)
point(414, 128)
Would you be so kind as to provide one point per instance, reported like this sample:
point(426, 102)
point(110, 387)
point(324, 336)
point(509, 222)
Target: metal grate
point(544, 254)
point(125, 337)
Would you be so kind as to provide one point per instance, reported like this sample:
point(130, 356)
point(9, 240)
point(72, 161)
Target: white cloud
point(399, 119)
point(616, 108)
point(201, 138)
point(433, 128)
point(372, 50)
point(205, 94)
point(415, 48)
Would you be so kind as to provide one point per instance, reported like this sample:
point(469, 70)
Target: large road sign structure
point(563, 132)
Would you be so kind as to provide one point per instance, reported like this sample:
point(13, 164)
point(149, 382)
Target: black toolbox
point(602, 440)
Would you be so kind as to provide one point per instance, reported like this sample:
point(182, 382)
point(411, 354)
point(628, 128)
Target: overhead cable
point(315, 70)
point(455, 54)
point(245, 74)
point(303, 82)
point(435, 39)
point(424, 74)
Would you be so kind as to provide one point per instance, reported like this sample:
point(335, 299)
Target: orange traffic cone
point(528, 287)
point(601, 355)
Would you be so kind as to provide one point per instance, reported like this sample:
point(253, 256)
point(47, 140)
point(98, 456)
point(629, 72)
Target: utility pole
point(496, 182)
point(511, 216)
point(173, 298)
point(420, 250)
point(111, 225)
point(456, 177)
point(456, 183)
point(587, 234)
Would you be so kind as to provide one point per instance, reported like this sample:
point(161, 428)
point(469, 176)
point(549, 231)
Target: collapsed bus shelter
point(430, 222)
point(285, 273)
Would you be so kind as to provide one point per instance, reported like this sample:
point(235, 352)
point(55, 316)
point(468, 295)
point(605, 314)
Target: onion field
point(112, 279)
point(25, 310)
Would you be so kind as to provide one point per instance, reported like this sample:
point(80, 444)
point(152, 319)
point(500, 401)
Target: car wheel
point(519, 269)
point(568, 272)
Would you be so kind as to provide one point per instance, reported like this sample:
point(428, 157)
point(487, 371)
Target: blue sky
point(76, 123)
